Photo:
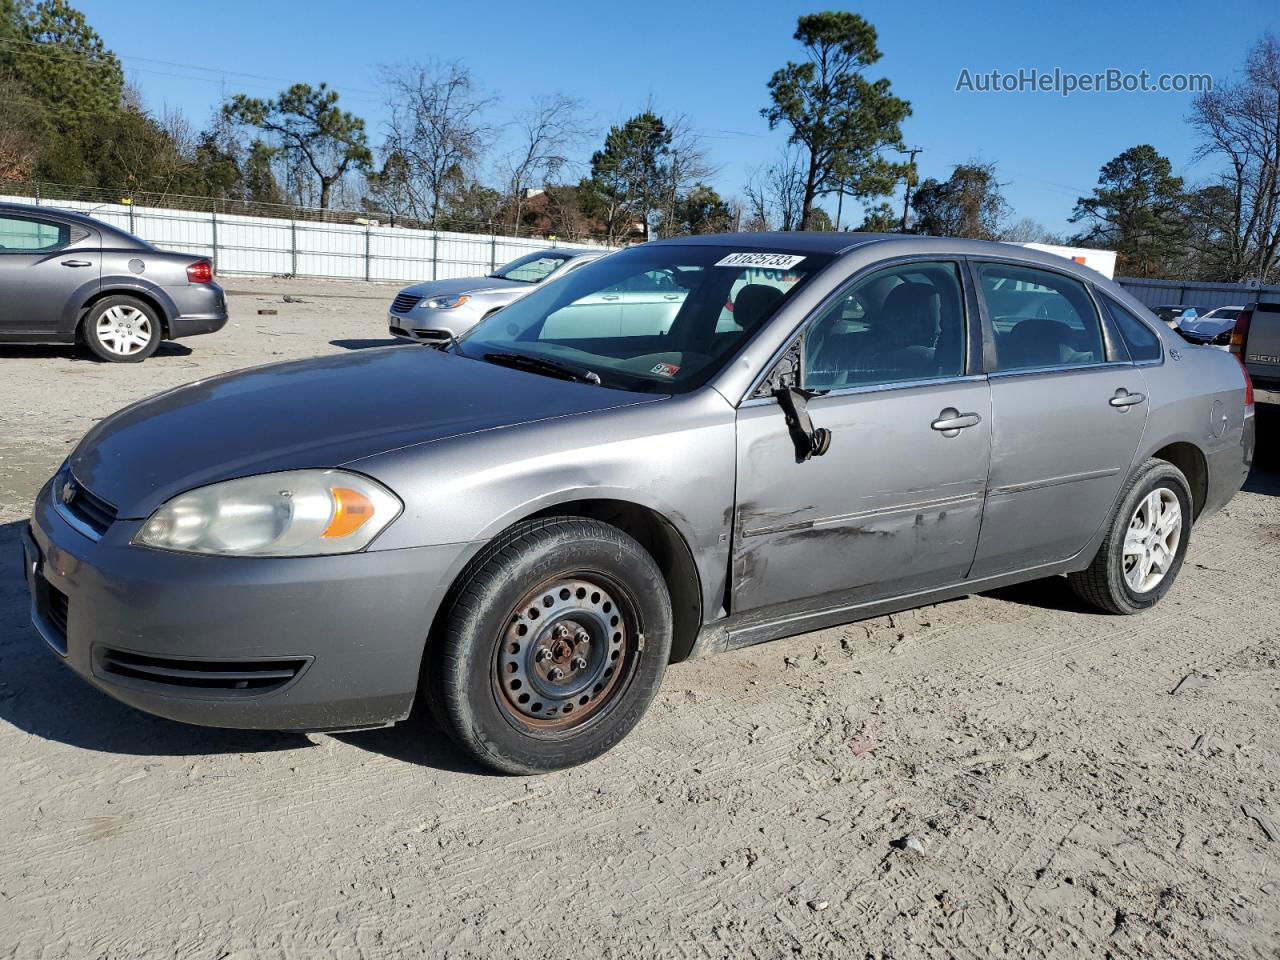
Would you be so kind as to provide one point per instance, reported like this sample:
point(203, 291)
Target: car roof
point(896, 245)
point(31, 209)
point(836, 242)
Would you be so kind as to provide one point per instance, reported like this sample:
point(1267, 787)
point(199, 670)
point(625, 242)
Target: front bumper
point(434, 326)
point(310, 643)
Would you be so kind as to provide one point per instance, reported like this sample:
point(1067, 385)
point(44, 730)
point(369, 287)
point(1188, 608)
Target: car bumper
point(310, 643)
point(202, 308)
point(433, 326)
point(190, 326)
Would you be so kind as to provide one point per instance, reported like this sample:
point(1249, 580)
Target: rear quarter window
point(1142, 341)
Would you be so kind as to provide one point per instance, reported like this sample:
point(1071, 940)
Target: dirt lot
point(1006, 774)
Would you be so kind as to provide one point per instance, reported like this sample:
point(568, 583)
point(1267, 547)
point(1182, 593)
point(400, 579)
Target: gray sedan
point(68, 278)
point(439, 310)
point(523, 529)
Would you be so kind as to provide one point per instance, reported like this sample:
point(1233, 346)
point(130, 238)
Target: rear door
point(1068, 408)
point(44, 264)
point(650, 302)
point(598, 314)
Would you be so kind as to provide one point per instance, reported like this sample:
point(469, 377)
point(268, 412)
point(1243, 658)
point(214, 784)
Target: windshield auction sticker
point(776, 261)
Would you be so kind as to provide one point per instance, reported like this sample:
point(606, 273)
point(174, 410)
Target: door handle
point(671, 296)
point(951, 421)
point(77, 263)
point(1124, 399)
point(609, 296)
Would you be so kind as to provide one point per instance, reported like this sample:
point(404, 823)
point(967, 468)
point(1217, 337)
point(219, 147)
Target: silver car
point(1211, 329)
point(440, 310)
point(68, 278)
point(523, 529)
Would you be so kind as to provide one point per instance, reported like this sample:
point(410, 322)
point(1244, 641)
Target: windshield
point(659, 318)
point(533, 268)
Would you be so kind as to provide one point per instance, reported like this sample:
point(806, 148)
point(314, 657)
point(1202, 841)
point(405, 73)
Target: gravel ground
point(1009, 774)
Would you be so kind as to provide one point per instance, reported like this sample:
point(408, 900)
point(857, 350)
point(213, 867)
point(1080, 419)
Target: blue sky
point(711, 60)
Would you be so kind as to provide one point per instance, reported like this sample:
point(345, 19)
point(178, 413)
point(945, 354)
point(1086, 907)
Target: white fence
point(267, 246)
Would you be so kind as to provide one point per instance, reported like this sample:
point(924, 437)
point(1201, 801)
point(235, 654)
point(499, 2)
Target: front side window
point(1040, 318)
point(1141, 340)
point(26, 235)
point(900, 324)
point(533, 268)
point(647, 318)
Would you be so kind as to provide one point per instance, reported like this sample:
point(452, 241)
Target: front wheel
point(121, 329)
point(1145, 543)
point(554, 646)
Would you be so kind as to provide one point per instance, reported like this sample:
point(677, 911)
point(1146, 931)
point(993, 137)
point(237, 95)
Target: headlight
point(296, 513)
point(445, 303)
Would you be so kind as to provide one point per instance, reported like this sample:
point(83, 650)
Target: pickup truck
point(1255, 339)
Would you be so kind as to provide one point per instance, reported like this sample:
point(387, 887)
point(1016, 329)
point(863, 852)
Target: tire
point(122, 329)
point(1115, 580)
point(560, 594)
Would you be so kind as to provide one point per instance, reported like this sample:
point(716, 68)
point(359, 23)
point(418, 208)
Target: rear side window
point(1041, 318)
point(28, 235)
point(1141, 340)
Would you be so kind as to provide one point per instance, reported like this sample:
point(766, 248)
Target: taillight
point(1240, 332)
point(1248, 383)
point(200, 272)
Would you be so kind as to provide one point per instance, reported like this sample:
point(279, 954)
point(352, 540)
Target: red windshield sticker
point(666, 369)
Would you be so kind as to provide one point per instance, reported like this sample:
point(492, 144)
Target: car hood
point(312, 413)
point(1206, 327)
point(457, 285)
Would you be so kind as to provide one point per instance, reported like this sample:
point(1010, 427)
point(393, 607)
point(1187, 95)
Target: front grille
point(87, 508)
point(404, 302)
point(229, 677)
point(433, 334)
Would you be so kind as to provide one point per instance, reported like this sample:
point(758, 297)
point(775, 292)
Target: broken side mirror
point(784, 384)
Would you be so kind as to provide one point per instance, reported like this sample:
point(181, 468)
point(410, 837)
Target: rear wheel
point(121, 329)
point(553, 648)
point(1145, 543)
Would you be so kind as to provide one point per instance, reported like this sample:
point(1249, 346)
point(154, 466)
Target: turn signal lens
point(352, 510)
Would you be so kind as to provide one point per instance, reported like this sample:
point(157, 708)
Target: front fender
point(674, 457)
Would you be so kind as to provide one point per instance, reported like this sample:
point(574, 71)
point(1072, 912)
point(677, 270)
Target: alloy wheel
point(1151, 540)
point(123, 330)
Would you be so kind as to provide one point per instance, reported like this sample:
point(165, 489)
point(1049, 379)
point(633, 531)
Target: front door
point(1066, 419)
point(39, 273)
point(894, 506)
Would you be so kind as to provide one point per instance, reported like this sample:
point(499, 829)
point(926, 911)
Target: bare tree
point(1240, 124)
point(548, 134)
point(1028, 230)
point(775, 193)
point(436, 132)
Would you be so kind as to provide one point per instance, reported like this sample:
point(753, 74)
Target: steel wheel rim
point(564, 620)
point(123, 330)
point(1151, 539)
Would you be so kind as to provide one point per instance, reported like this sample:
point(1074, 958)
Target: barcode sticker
point(775, 261)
